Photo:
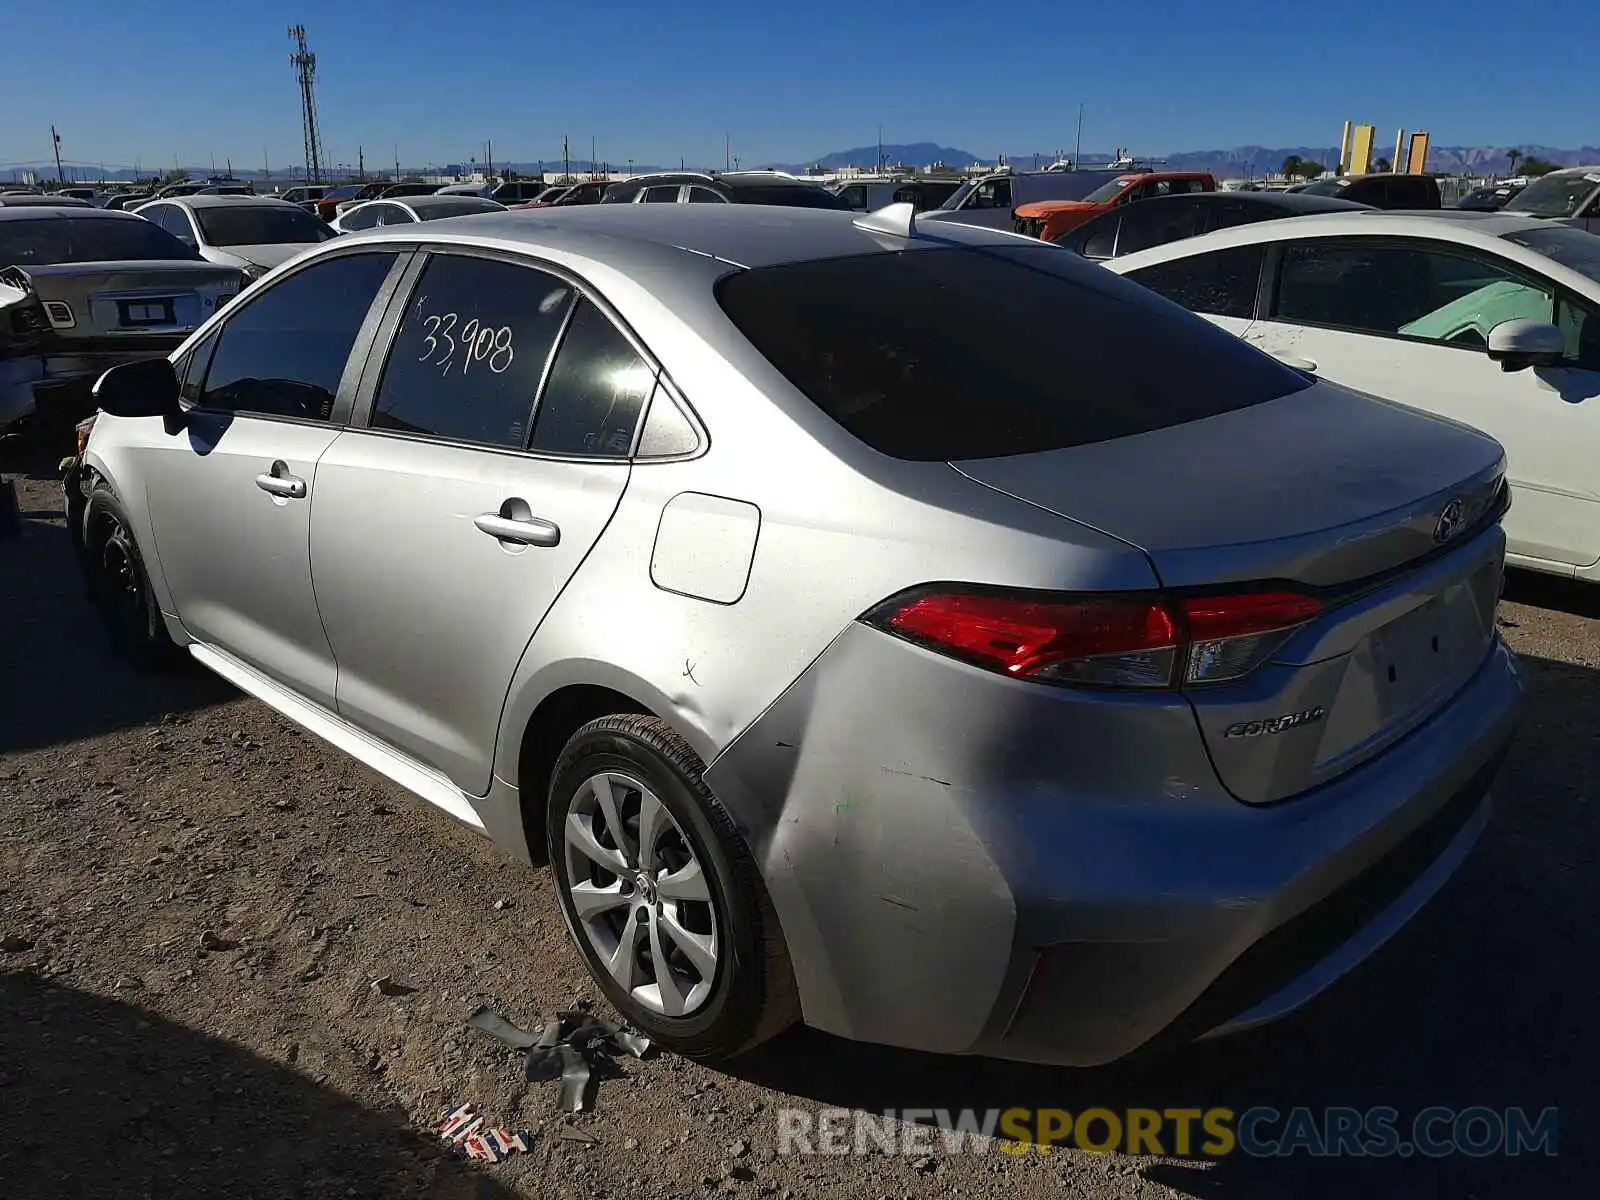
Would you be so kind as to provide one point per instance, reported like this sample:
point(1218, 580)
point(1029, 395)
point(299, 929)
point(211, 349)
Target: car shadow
point(1535, 588)
point(102, 1099)
point(1486, 998)
point(62, 679)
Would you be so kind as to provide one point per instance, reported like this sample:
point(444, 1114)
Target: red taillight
point(1131, 640)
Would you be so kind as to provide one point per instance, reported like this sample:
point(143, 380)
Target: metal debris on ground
point(568, 1049)
point(463, 1128)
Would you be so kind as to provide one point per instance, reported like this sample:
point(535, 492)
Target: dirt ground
point(139, 816)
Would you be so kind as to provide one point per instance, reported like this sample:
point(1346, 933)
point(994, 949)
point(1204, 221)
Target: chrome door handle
point(533, 531)
point(278, 482)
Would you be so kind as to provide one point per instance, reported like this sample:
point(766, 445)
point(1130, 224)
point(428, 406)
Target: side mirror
point(148, 388)
point(1523, 343)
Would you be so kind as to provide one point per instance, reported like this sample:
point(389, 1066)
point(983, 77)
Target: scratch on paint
point(898, 903)
point(688, 673)
point(914, 775)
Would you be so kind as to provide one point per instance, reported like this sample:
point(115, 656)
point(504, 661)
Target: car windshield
point(936, 354)
point(954, 199)
point(1107, 192)
point(798, 195)
point(1572, 248)
point(86, 239)
point(1555, 195)
point(260, 225)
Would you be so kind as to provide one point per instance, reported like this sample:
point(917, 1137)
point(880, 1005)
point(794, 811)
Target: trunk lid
point(133, 299)
point(1388, 516)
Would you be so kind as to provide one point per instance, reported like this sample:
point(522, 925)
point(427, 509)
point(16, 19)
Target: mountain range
point(1225, 164)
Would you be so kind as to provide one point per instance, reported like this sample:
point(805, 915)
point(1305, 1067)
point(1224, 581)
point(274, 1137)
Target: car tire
point(118, 584)
point(751, 993)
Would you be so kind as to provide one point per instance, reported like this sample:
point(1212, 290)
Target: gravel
point(205, 915)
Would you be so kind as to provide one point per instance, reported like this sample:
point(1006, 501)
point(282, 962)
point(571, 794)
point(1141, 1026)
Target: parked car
point(923, 194)
point(360, 195)
point(35, 200)
point(1380, 191)
point(1488, 318)
point(396, 190)
point(481, 190)
point(728, 187)
point(547, 198)
point(1572, 194)
point(329, 202)
point(124, 201)
point(992, 200)
point(82, 289)
point(304, 193)
point(518, 191)
point(1490, 199)
point(1050, 219)
point(589, 191)
point(252, 233)
point(88, 195)
point(1028, 624)
point(185, 187)
point(411, 210)
point(1171, 218)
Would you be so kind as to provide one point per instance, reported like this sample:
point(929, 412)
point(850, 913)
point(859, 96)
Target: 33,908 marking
point(477, 342)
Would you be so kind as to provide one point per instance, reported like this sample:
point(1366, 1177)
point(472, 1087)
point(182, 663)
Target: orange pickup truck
point(1049, 219)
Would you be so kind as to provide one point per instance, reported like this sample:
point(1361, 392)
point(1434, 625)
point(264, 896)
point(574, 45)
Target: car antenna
point(897, 219)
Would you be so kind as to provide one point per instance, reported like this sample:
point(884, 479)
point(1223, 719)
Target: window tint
point(471, 350)
point(936, 354)
point(1579, 323)
point(191, 370)
point(1228, 213)
point(597, 389)
point(282, 354)
point(661, 195)
point(1408, 290)
point(393, 214)
point(261, 225)
point(788, 195)
point(1222, 283)
point(365, 217)
point(700, 195)
point(1145, 226)
point(1098, 238)
point(30, 241)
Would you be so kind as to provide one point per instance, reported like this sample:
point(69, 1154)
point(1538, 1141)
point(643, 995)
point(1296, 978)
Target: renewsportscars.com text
point(1261, 1132)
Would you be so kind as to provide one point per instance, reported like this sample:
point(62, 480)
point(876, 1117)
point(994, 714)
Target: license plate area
point(146, 314)
point(1432, 647)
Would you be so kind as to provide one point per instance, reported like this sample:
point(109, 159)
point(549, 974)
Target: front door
point(1410, 322)
point(445, 529)
point(230, 491)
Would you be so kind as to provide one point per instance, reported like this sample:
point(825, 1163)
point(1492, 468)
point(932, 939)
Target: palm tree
point(1511, 157)
point(1291, 166)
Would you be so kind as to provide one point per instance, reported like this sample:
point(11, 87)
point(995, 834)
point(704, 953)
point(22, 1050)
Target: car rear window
point(26, 243)
point(792, 196)
point(938, 354)
point(260, 225)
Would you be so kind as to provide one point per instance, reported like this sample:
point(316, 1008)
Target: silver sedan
point(854, 650)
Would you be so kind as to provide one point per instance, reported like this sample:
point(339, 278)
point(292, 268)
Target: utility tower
point(305, 65)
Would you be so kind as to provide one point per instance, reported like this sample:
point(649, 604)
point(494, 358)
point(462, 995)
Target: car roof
point(27, 200)
point(753, 235)
point(437, 203)
point(214, 201)
point(35, 212)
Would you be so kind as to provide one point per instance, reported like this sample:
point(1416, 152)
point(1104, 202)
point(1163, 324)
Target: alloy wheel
point(640, 895)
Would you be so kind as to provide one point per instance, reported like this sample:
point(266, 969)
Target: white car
point(253, 233)
point(1488, 318)
point(407, 210)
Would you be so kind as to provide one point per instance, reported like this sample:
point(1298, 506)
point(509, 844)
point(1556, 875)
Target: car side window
point(1146, 226)
point(992, 193)
point(1099, 238)
point(1406, 290)
point(1230, 213)
point(365, 217)
point(597, 389)
point(469, 354)
point(1580, 326)
point(1222, 283)
point(394, 214)
point(661, 194)
point(700, 195)
point(191, 369)
point(283, 353)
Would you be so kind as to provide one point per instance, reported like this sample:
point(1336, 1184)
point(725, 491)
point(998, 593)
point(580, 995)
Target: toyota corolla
point(853, 653)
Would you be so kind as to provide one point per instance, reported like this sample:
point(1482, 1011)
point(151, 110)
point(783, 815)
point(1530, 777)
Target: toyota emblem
point(1449, 523)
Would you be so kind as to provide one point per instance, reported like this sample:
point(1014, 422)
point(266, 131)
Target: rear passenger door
point(493, 435)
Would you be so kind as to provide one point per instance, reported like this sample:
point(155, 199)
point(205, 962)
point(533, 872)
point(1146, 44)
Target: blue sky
point(787, 82)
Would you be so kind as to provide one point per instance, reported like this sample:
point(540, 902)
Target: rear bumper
point(963, 865)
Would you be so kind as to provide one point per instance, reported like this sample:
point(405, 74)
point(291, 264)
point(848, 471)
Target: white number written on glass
point(477, 342)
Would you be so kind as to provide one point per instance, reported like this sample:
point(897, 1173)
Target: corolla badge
point(1451, 521)
point(1250, 729)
